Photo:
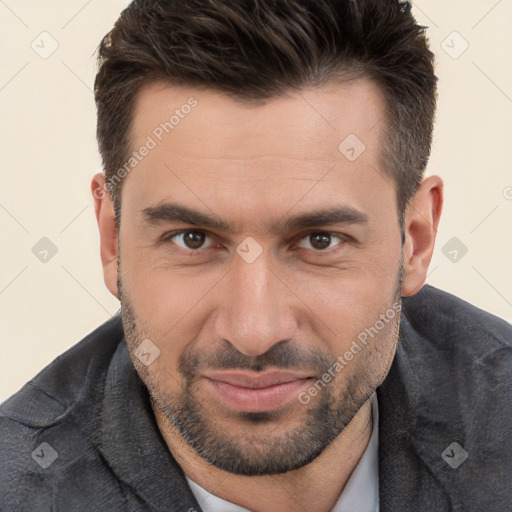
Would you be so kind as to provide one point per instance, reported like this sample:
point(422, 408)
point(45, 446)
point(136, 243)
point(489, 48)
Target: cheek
point(366, 359)
point(170, 305)
point(343, 304)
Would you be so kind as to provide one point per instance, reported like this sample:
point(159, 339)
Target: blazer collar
point(132, 445)
point(416, 425)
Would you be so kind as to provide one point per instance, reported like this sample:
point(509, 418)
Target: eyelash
point(167, 237)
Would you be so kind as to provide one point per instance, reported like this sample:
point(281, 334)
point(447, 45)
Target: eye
point(190, 239)
point(320, 241)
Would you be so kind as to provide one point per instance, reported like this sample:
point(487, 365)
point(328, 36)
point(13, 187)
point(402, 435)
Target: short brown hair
point(257, 49)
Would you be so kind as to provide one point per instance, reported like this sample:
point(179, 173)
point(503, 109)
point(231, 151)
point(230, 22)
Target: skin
point(298, 305)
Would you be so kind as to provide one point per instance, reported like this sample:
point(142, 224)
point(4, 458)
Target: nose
point(256, 310)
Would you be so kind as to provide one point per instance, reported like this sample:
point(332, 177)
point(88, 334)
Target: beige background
point(48, 151)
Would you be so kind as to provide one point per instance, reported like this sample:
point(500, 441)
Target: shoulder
point(457, 362)
point(443, 319)
point(457, 349)
point(66, 381)
point(454, 365)
point(447, 395)
point(63, 397)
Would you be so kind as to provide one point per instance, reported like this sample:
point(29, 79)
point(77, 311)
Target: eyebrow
point(174, 212)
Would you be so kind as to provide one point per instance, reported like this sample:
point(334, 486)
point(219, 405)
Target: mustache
point(283, 355)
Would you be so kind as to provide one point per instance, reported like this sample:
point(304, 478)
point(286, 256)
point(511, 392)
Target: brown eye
point(319, 241)
point(189, 239)
point(193, 239)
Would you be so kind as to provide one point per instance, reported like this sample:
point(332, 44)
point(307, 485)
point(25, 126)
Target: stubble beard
point(255, 443)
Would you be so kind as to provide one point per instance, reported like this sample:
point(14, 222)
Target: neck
point(313, 487)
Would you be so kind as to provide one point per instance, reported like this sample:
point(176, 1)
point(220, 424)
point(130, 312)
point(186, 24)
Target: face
point(260, 268)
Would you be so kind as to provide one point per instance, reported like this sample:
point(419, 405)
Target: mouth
point(253, 392)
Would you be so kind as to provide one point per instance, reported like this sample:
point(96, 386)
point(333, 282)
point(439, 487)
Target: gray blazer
point(81, 435)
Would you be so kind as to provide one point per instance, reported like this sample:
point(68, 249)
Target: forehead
point(288, 126)
point(209, 149)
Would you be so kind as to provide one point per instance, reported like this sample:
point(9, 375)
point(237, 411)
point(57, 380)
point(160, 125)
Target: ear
point(108, 231)
point(421, 220)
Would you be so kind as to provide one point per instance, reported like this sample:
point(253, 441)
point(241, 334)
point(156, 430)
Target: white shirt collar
point(361, 492)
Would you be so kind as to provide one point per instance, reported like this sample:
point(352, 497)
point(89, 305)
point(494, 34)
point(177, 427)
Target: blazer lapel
point(411, 441)
point(132, 444)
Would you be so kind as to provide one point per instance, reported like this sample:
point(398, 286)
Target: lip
point(251, 392)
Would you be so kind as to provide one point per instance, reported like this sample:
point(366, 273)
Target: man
point(262, 214)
